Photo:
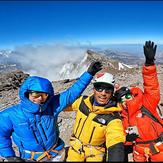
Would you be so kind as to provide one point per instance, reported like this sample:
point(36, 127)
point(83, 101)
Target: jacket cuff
point(149, 69)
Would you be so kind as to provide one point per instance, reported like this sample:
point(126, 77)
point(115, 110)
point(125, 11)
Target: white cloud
point(47, 60)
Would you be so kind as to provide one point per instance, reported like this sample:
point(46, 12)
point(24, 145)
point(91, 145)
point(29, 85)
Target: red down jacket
point(148, 129)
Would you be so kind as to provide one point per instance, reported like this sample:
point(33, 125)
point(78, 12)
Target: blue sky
point(80, 22)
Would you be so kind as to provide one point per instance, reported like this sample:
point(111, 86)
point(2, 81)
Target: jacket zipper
point(92, 134)
point(78, 126)
point(82, 127)
point(33, 130)
point(43, 131)
point(43, 146)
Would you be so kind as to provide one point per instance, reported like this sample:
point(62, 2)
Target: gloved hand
point(94, 67)
point(149, 52)
point(13, 159)
point(131, 137)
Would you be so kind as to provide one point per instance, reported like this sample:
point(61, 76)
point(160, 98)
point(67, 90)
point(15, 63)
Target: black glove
point(13, 159)
point(149, 52)
point(94, 67)
point(131, 137)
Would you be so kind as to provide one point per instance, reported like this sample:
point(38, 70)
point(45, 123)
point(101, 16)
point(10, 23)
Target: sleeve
point(71, 94)
point(151, 88)
point(116, 153)
point(115, 139)
point(115, 133)
point(74, 106)
point(6, 128)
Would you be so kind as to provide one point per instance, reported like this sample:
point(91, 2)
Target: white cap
point(104, 78)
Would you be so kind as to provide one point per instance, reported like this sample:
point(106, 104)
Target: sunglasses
point(107, 89)
point(127, 96)
point(35, 94)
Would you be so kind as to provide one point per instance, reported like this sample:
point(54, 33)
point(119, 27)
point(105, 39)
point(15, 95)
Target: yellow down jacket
point(97, 125)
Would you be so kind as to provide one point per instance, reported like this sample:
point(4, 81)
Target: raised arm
point(70, 95)
point(151, 84)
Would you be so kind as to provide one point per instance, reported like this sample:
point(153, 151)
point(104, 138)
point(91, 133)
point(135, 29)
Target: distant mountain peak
point(73, 70)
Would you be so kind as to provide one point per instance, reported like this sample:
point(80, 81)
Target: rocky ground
point(9, 84)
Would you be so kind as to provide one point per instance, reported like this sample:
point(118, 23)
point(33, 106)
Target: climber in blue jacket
point(32, 124)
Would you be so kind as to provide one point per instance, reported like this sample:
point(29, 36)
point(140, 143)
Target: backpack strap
point(159, 111)
point(150, 115)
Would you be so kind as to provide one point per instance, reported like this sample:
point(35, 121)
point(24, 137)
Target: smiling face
point(102, 94)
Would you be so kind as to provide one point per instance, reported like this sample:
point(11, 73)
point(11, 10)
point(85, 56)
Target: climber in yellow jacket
point(98, 131)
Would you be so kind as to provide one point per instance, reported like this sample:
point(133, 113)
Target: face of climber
point(38, 97)
point(102, 94)
point(124, 100)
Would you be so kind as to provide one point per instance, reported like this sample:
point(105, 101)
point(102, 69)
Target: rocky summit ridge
point(127, 76)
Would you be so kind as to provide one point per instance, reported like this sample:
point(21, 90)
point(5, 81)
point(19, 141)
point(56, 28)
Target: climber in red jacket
point(143, 125)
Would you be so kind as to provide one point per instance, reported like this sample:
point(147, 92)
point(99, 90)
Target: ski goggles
point(36, 94)
point(100, 89)
point(123, 98)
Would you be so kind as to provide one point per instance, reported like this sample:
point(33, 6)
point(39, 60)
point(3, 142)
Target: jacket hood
point(36, 84)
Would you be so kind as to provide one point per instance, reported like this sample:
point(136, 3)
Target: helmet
point(122, 92)
point(106, 78)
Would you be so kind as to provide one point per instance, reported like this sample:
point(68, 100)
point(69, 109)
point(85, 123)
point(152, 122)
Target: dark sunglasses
point(107, 89)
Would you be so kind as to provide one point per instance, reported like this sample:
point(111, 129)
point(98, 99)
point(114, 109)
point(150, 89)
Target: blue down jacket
point(34, 127)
